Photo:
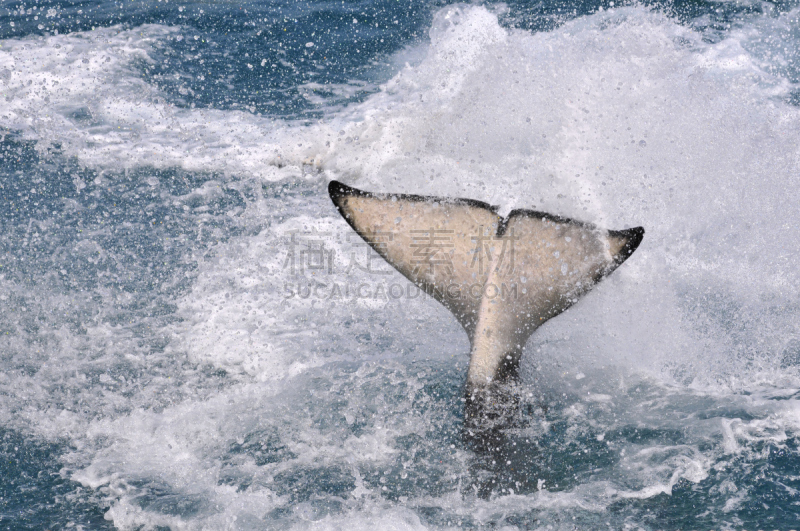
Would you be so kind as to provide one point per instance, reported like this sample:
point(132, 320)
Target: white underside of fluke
point(502, 278)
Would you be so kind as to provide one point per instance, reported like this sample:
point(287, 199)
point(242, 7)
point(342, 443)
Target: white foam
point(621, 118)
point(296, 296)
point(82, 92)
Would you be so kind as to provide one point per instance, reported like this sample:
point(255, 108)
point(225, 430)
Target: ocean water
point(192, 338)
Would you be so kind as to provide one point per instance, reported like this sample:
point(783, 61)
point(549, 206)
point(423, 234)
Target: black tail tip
point(337, 189)
point(633, 237)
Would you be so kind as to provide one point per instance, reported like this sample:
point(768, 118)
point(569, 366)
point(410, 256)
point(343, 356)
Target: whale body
point(501, 277)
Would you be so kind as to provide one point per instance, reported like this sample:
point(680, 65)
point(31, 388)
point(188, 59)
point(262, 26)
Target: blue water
point(173, 354)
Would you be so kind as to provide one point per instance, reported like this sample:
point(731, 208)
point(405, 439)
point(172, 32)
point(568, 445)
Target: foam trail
point(83, 92)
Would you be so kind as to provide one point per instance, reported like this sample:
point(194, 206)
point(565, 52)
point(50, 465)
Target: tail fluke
point(502, 278)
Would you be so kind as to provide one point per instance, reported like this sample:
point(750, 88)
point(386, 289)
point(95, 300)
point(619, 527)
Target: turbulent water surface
point(192, 338)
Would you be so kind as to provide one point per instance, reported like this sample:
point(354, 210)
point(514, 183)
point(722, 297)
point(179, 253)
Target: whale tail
point(501, 277)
